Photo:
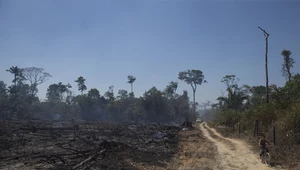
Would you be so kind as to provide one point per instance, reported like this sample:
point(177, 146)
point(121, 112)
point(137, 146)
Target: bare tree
point(266, 63)
point(35, 76)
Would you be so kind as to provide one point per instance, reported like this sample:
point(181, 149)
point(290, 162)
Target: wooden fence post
point(274, 134)
point(254, 134)
point(256, 127)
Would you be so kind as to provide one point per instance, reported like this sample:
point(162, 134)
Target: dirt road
point(206, 149)
point(232, 154)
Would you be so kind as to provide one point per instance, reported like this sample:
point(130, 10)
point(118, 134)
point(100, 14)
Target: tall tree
point(110, 94)
point(171, 89)
point(266, 63)
point(287, 65)
point(131, 80)
point(94, 94)
point(15, 88)
point(122, 94)
point(18, 74)
point(183, 106)
point(35, 76)
point(235, 96)
point(63, 88)
point(81, 84)
point(258, 94)
point(2, 88)
point(55, 92)
point(155, 105)
point(194, 78)
point(230, 81)
point(234, 99)
point(258, 91)
point(4, 103)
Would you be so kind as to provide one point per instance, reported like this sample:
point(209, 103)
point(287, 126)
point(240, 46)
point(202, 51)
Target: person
point(262, 144)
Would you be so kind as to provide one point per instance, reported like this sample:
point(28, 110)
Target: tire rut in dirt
point(216, 137)
point(196, 152)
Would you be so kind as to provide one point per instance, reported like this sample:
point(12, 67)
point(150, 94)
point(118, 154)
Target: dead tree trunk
point(266, 63)
point(194, 101)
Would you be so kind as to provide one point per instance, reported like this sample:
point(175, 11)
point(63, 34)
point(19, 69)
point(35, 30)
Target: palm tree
point(17, 72)
point(234, 100)
point(131, 80)
point(18, 78)
point(81, 84)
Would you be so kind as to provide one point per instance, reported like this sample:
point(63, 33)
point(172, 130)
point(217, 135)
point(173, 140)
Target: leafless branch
point(264, 31)
point(35, 75)
point(89, 159)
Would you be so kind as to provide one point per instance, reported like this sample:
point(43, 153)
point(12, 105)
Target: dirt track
point(127, 147)
point(233, 154)
point(206, 149)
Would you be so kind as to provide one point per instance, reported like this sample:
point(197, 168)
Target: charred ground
point(92, 145)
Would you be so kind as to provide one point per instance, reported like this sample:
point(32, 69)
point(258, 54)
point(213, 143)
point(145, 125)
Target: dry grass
point(286, 152)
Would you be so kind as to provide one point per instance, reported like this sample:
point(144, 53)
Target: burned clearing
point(86, 145)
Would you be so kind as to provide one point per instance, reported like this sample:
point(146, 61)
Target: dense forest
point(20, 101)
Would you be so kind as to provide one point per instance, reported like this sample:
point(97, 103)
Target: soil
point(98, 145)
point(205, 149)
point(285, 154)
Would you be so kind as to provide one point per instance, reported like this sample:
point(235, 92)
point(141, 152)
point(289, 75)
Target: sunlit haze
point(105, 41)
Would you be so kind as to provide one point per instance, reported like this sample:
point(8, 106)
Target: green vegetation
point(20, 101)
point(246, 104)
point(194, 78)
point(239, 108)
point(288, 64)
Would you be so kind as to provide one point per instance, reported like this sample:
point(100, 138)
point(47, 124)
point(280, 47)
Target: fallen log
point(136, 135)
point(47, 128)
point(73, 150)
point(89, 159)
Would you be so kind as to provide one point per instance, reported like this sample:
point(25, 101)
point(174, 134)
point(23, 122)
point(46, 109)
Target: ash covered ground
point(86, 145)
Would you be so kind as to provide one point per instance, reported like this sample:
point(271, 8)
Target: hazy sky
point(105, 41)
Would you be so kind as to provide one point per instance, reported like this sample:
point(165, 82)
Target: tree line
point(242, 105)
point(20, 100)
